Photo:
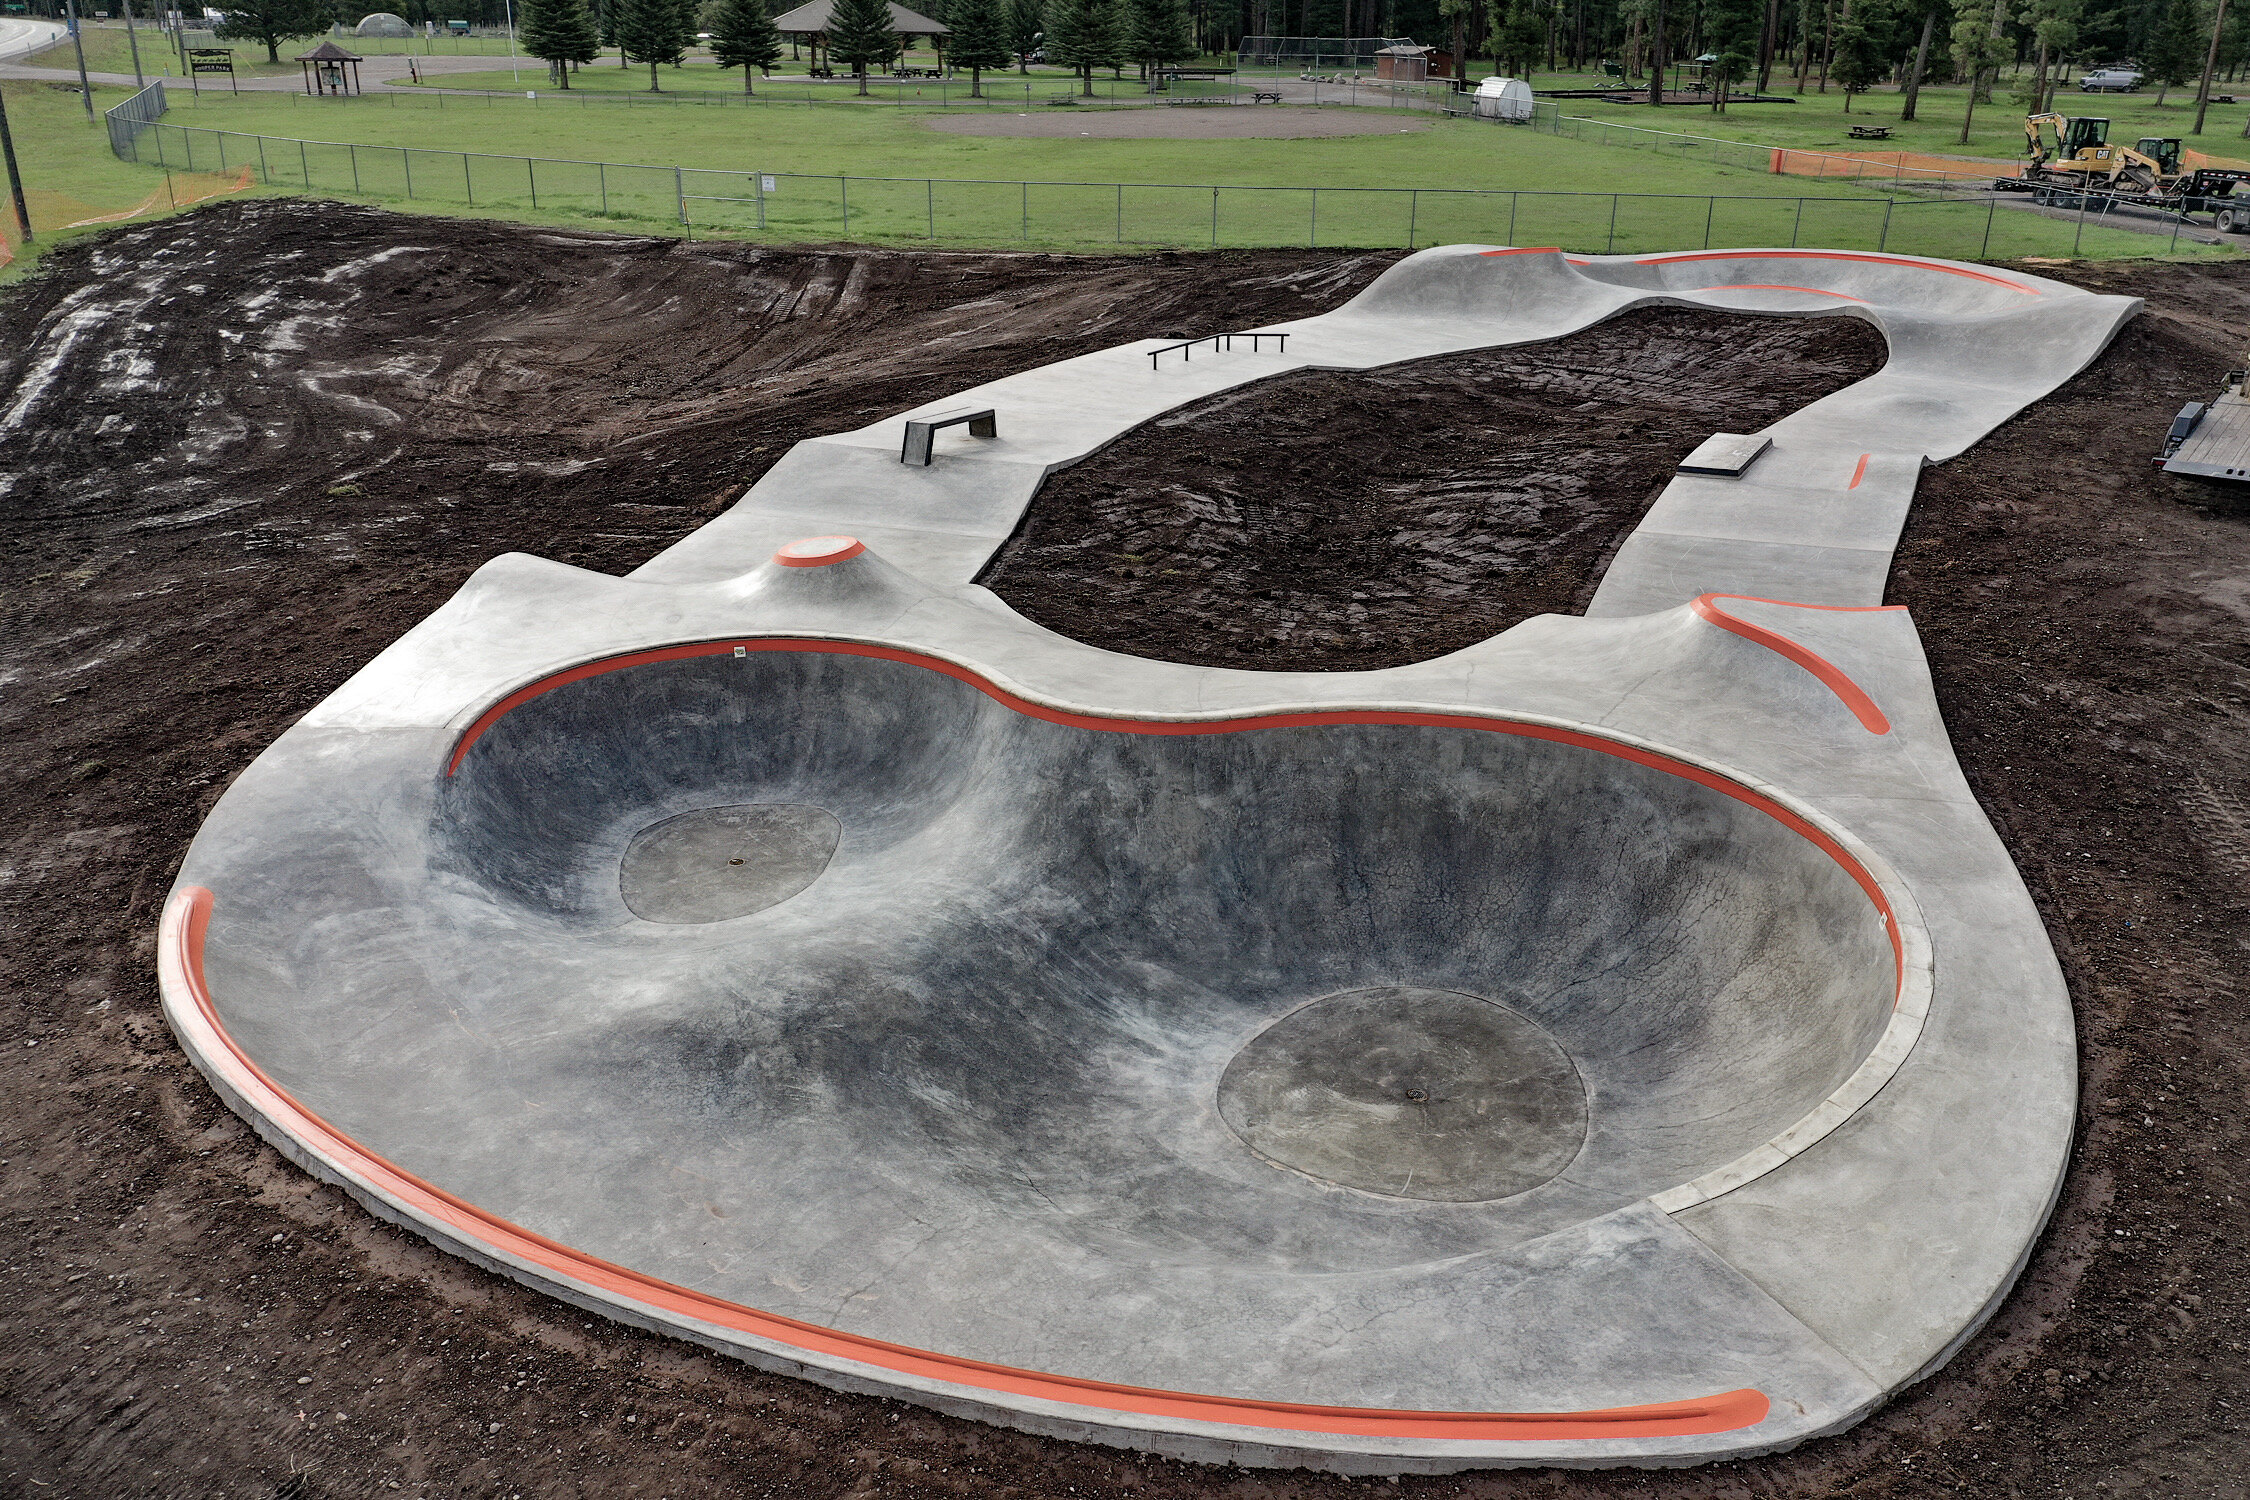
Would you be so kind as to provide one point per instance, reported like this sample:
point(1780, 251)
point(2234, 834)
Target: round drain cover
point(721, 862)
point(1412, 1093)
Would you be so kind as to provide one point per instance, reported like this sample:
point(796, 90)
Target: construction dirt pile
point(245, 448)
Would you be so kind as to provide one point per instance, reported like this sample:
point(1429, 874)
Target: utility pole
point(85, 89)
point(15, 176)
point(133, 40)
point(2210, 62)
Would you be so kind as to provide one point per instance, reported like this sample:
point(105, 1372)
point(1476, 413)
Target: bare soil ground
point(1341, 522)
point(247, 447)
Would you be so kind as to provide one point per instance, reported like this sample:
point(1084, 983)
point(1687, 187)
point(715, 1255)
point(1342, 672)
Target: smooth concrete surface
point(1599, 1017)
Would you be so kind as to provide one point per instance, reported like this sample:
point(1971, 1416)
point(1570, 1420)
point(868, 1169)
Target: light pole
point(85, 89)
point(133, 40)
point(513, 70)
point(15, 176)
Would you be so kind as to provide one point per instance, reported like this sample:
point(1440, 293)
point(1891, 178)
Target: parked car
point(2109, 81)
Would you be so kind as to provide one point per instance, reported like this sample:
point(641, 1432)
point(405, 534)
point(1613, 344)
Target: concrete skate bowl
point(963, 1037)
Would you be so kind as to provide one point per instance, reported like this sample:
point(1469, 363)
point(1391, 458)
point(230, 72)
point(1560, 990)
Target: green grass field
point(110, 50)
point(1529, 187)
point(67, 166)
point(1818, 121)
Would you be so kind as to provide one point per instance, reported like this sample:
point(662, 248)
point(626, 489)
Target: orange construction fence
point(53, 211)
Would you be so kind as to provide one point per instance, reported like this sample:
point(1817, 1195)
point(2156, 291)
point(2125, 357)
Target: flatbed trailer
point(2211, 441)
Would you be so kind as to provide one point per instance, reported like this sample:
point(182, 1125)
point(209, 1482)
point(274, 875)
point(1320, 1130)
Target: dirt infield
point(1203, 122)
point(247, 447)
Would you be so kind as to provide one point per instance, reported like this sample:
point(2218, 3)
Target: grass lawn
point(67, 168)
point(1818, 121)
point(1536, 188)
point(110, 50)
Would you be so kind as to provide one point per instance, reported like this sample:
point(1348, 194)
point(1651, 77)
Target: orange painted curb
point(1648, 758)
point(1880, 260)
point(1838, 681)
point(819, 551)
point(187, 919)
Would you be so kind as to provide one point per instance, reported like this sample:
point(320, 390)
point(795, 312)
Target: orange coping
point(1880, 260)
point(187, 919)
point(1552, 733)
point(1838, 681)
point(1761, 286)
point(819, 551)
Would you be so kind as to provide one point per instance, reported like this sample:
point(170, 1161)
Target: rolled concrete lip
point(983, 1389)
point(1769, 1216)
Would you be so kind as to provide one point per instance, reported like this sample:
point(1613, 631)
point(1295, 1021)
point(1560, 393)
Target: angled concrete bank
point(1623, 1041)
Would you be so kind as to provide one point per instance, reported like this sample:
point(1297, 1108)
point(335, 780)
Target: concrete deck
point(1622, 1041)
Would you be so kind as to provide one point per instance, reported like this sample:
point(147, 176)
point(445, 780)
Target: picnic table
point(1871, 132)
point(1265, 98)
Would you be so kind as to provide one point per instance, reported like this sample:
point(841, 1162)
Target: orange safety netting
point(53, 211)
point(1873, 165)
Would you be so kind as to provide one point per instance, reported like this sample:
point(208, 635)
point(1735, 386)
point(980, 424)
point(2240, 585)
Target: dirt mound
point(247, 447)
point(1339, 522)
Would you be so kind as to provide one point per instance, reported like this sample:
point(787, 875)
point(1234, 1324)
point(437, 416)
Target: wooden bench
point(1871, 132)
point(921, 432)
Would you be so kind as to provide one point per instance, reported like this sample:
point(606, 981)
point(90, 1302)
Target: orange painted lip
point(1880, 260)
point(1524, 250)
point(1112, 725)
point(1837, 680)
point(187, 920)
point(1859, 471)
point(819, 551)
point(1761, 286)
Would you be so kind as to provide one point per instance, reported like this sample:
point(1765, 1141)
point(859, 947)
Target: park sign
point(201, 60)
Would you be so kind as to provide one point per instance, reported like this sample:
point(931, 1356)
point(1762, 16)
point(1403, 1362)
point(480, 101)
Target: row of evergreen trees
point(1081, 35)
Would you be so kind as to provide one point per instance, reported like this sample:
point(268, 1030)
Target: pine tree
point(685, 26)
point(648, 31)
point(559, 33)
point(1025, 26)
point(743, 36)
point(2175, 46)
point(1730, 34)
point(1157, 33)
point(859, 33)
point(980, 40)
point(275, 21)
point(1116, 36)
point(1077, 38)
point(1858, 63)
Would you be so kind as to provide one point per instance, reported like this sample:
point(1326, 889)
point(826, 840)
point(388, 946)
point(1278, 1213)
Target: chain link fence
point(794, 207)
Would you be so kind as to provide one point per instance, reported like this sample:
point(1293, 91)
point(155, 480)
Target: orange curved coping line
point(1880, 260)
point(1762, 286)
point(1524, 250)
point(1838, 681)
point(1025, 706)
point(847, 548)
point(1859, 471)
point(187, 920)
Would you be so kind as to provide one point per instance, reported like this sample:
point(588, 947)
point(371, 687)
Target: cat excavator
point(2072, 159)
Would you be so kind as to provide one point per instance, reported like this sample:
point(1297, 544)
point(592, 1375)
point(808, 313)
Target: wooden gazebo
point(325, 70)
point(812, 20)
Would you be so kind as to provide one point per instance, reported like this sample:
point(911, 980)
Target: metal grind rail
point(973, 211)
point(1218, 342)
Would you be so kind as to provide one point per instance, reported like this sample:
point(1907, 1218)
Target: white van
point(2109, 81)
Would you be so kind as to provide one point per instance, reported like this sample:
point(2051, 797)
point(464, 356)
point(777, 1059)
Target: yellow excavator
point(2072, 161)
